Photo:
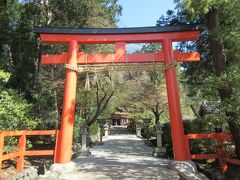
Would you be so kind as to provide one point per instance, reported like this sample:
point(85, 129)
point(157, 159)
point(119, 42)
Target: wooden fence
point(21, 152)
point(220, 154)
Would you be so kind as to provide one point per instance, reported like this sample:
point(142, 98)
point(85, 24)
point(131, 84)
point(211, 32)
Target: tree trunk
point(38, 68)
point(156, 118)
point(156, 114)
point(56, 109)
point(235, 130)
point(219, 63)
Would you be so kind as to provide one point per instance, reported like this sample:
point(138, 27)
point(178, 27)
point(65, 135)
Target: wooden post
point(65, 136)
point(220, 152)
point(120, 52)
point(176, 122)
point(56, 146)
point(1, 147)
point(187, 145)
point(22, 146)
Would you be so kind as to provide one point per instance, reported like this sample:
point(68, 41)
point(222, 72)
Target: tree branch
point(97, 94)
point(101, 107)
point(194, 111)
point(106, 102)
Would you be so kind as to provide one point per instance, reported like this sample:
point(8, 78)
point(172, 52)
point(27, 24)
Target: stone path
point(121, 157)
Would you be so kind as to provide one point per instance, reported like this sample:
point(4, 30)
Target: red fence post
point(21, 148)
point(56, 145)
point(187, 145)
point(177, 130)
point(220, 152)
point(1, 147)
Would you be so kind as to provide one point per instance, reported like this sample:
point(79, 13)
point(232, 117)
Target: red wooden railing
point(21, 152)
point(220, 138)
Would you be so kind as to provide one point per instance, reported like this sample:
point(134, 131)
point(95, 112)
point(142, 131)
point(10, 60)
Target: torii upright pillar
point(176, 122)
point(63, 152)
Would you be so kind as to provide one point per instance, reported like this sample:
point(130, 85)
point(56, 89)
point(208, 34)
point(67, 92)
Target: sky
point(140, 13)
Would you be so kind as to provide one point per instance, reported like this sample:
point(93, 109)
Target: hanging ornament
point(87, 84)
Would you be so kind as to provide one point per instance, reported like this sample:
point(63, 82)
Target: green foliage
point(151, 48)
point(15, 111)
point(9, 15)
point(202, 6)
point(201, 78)
point(4, 77)
point(76, 131)
point(94, 129)
point(48, 115)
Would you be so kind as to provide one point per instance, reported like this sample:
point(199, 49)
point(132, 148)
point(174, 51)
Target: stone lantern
point(84, 149)
point(106, 129)
point(138, 130)
point(159, 150)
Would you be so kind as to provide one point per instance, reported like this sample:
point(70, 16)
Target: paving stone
point(186, 165)
point(63, 168)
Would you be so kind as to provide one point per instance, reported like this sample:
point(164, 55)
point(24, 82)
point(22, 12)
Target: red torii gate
point(119, 36)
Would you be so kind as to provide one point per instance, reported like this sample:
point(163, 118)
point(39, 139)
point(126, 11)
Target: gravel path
point(121, 157)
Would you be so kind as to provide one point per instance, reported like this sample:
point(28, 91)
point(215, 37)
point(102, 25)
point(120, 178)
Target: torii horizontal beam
point(112, 35)
point(114, 59)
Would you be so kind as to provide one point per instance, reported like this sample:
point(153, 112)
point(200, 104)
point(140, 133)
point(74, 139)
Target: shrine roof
point(135, 30)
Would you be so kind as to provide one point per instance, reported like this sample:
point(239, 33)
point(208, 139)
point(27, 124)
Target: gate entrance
point(119, 37)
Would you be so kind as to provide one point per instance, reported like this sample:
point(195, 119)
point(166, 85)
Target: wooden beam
point(39, 153)
point(112, 38)
point(41, 132)
point(201, 136)
point(32, 133)
point(221, 136)
point(225, 137)
point(13, 133)
point(11, 155)
point(120, 57)
point(232, 161)
point(204, 156)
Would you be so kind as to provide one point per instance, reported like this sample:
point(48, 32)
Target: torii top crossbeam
point(119, 37)
point(112, 35)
